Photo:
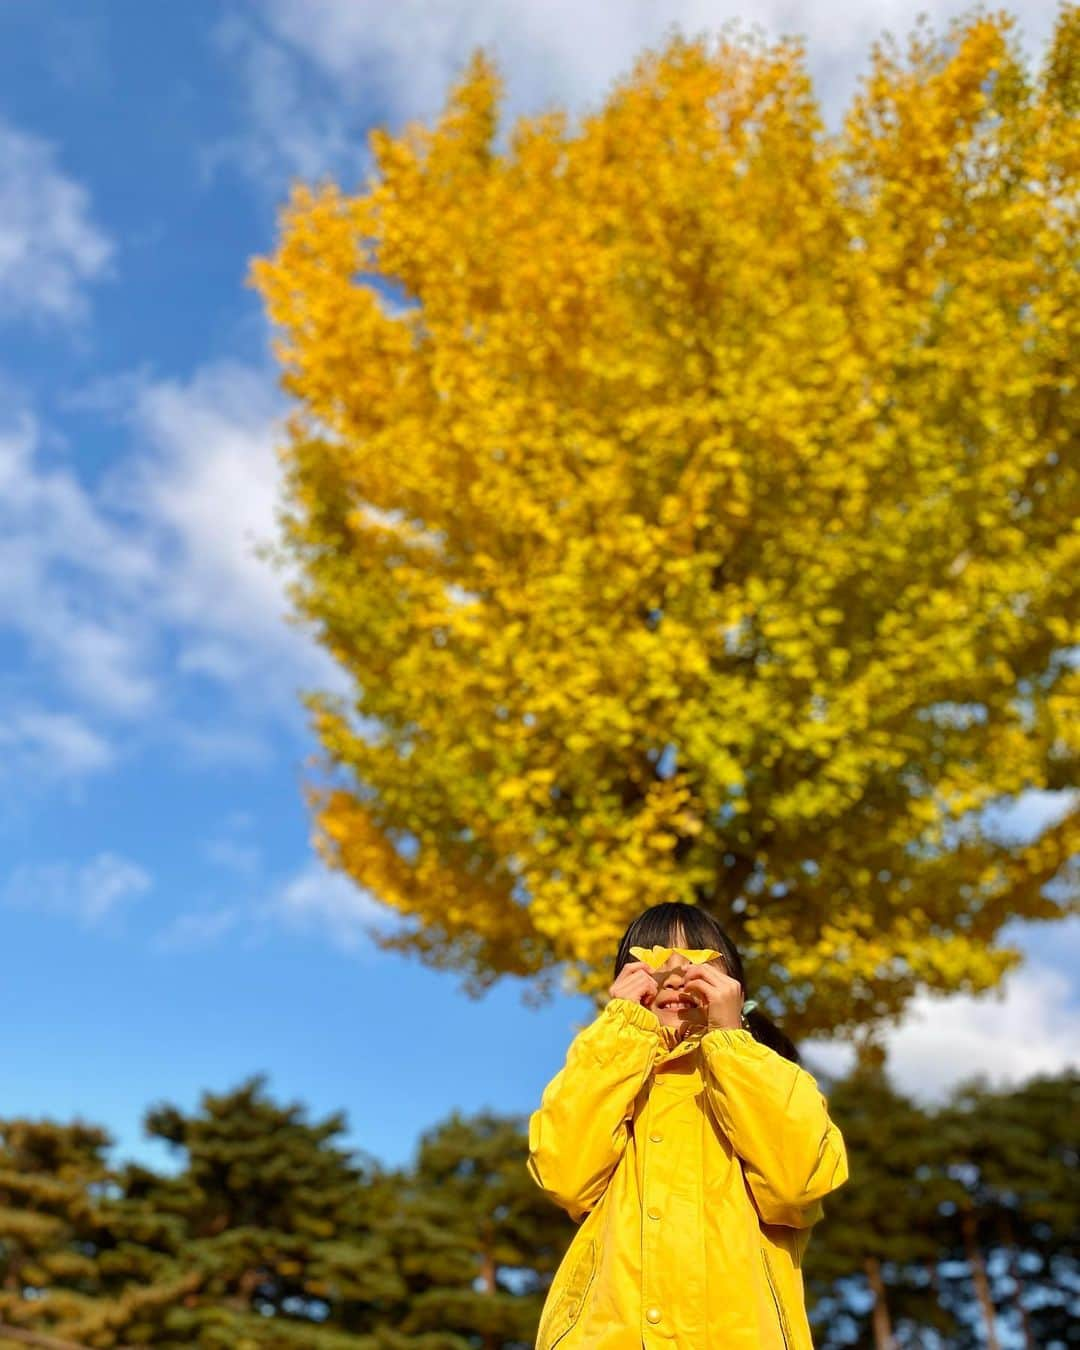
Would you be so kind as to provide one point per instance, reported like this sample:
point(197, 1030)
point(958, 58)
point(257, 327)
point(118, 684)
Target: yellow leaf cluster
point(691, 498)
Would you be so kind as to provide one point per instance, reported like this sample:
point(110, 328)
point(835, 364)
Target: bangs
point(659, 926)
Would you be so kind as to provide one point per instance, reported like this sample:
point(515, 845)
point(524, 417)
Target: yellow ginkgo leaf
point(656, 957)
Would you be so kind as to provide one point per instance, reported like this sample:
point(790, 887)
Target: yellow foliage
point(692, 498)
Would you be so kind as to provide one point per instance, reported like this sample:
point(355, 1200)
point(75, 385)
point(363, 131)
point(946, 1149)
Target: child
point(693, 1150)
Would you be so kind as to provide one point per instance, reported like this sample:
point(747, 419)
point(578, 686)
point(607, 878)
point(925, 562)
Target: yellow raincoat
point(695, 1170)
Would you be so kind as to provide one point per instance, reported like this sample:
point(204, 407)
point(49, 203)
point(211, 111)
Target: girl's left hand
point(721, 996)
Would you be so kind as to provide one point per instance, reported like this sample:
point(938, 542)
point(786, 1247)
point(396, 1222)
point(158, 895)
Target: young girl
point(693, 1150)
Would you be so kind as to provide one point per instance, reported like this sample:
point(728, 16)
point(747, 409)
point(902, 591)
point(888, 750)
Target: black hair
point(658, 926)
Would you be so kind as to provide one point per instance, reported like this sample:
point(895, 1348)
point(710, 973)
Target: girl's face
point(676, 1007)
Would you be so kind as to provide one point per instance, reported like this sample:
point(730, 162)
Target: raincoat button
point(656, 1136)
point(653, 1212)
point(653, 1314)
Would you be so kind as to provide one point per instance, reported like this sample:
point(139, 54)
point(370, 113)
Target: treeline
point(957, 1228)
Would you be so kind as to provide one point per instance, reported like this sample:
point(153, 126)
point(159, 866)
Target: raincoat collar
point(672, 1045)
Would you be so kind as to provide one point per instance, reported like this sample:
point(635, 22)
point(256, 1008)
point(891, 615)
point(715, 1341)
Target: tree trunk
point(978, 1277)
point(488, 1274)
point(245, 1288)
point(883, 1337)
point(1009, 1243)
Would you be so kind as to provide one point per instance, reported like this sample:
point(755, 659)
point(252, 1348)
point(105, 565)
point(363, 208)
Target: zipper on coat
point(781, 1315)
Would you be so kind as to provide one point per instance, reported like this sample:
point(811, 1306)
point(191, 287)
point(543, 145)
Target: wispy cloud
point(234, 855)
point(197, 930)
point(315, 73)
point(130, 593)
point(316, 900)
point(50, 247)
point(294, 122)
point(71, 580)
point(312, 901)
point(43, 745)
point(89, 892)
point(204, 481)
point(201, 488)
point(1030, 1025)
point(1026, 816)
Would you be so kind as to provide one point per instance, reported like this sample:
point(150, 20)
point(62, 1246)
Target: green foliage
point(271, 1235)
point(987, 1180)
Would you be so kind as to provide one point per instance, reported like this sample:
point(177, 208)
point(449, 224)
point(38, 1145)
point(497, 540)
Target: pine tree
point(486, 1240)
point(876, 1230)
point(271, 1236)
point(985, 1182)
point(52, 1179)
point(260, 1233)
point(1008, 1161)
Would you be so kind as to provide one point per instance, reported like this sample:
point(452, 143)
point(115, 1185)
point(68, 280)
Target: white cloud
point(295, 123)
point(201, 486)
point(204, 480)
point(1029, 814)
point(89, 892)
point(49, 246)
point(132, 591)
point(319, 900)
point(71, 580)
point(45, 744)
point(217, 744)
point(1031, 1025)
point(397, 62)
point(204, 485)
point(313, 901)
point(234, 855)
point(189, 932)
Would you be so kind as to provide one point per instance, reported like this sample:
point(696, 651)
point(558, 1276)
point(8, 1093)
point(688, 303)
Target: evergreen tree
point(961, 1223)
point(1008, 1163)
point(488, 1239)
point(875, 1231)
point(52, 1177)
point(270, 1235)
point(264, 1224)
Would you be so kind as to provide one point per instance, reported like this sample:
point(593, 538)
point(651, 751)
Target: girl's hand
point(718, 993)
point(636, 982)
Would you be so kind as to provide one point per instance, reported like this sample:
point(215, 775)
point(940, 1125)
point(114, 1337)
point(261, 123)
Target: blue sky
point(165, 926)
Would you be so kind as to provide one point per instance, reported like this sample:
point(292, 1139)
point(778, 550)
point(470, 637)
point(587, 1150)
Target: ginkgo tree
point(690, 495)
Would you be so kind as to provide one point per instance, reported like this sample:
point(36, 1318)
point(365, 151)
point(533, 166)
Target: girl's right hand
point(636, 983)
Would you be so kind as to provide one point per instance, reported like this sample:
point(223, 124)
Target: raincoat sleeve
point(579, 1132)
point(777, 1121)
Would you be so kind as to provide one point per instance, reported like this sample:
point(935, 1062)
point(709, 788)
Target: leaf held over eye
point(655, 957)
